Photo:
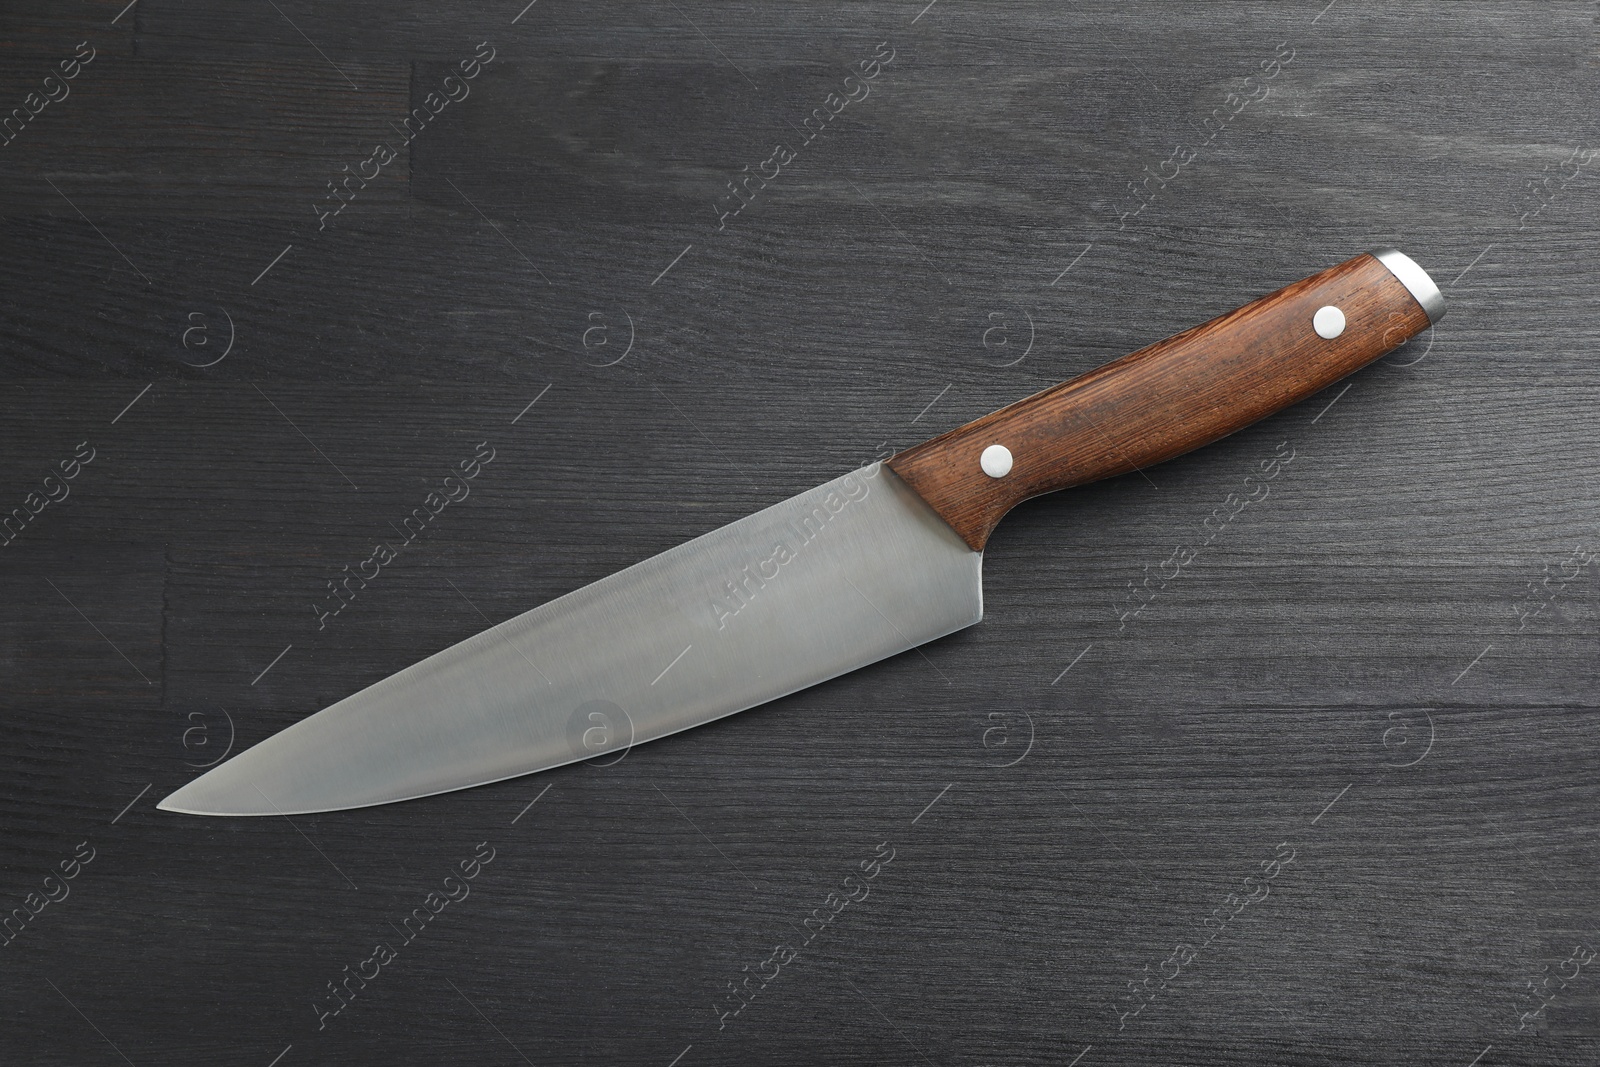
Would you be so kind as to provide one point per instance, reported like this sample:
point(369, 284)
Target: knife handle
point(1175, 395)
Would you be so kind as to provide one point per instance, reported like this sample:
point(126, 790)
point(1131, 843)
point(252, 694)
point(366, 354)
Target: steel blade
point(838, 577)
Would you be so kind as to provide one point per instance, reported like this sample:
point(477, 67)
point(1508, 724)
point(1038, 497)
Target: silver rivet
point(1328, 322)
point(996, 461)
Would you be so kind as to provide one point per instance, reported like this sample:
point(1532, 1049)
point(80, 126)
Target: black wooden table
point(270, 271)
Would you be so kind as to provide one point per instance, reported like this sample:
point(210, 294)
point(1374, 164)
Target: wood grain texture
point(1166, 399)
point(1166, 686)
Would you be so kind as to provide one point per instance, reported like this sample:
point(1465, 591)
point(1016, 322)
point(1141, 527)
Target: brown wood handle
point(1174, 395)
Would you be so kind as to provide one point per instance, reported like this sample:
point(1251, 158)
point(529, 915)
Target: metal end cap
point(1416, 281)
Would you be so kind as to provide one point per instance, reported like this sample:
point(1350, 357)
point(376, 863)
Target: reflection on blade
point(838, 577)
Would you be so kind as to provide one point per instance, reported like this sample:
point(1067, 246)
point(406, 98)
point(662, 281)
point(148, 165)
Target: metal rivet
point(1328, 322)
point(996, 461)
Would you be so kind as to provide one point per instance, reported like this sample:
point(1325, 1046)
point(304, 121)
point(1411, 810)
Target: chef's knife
point(860, 568)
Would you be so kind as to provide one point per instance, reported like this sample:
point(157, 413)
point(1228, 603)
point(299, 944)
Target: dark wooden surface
point(1168, 398)
point(1351, 666)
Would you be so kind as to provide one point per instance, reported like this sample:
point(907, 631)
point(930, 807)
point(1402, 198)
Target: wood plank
point(1385, 664)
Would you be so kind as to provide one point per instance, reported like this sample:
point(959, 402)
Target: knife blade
point(861, 568)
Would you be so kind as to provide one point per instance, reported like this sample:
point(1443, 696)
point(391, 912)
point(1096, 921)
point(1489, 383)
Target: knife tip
point(184, 802)
point(173, 802)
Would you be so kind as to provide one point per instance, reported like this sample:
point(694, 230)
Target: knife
point(863, 567)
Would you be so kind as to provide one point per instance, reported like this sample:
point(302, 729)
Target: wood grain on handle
point(1172, 396)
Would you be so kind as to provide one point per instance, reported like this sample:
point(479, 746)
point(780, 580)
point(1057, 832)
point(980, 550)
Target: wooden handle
point(1174, 395)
